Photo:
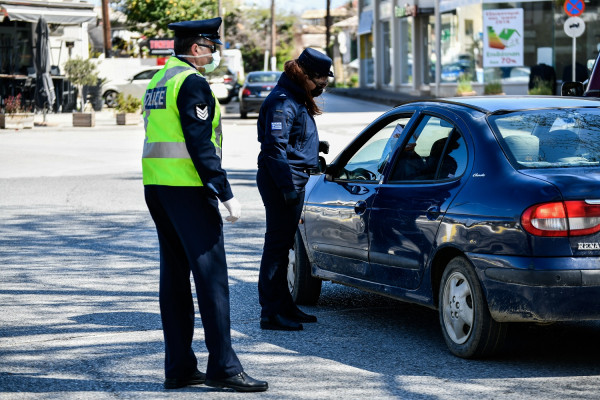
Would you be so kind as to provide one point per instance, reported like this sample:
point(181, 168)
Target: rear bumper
point(251, 104)
point(540, 289)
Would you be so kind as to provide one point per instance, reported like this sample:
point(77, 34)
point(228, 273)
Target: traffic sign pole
point(574, 58)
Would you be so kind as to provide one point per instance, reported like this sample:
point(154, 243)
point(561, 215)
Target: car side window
point(145, 74)
point(371, 158)
point(435, 151)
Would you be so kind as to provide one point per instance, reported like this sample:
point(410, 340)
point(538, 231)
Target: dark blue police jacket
point(288, 136)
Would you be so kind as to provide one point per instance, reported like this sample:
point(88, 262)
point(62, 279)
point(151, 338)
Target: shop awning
point(54, 13)
point(365, 22)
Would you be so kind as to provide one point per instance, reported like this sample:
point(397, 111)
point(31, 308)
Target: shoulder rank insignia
point(202, 111)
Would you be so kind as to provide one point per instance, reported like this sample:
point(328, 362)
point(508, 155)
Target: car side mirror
point(322, 165)
point(330, 171)
point(572, 89)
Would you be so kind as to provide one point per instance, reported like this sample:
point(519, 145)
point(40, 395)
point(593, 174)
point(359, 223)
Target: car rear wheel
point(467, 326)
point(243, 114)
point(304, 288)
point(110, 98)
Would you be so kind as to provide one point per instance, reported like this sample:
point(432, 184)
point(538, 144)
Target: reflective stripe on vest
point(165, 159)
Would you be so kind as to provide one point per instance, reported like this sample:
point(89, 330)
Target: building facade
point(399, 44)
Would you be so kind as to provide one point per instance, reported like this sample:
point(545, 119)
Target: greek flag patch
point(202, 111)
point(276, 126)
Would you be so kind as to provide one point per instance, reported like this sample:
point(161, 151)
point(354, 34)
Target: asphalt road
point(79, 291)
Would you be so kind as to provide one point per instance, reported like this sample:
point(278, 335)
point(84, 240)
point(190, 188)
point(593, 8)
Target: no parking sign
point(574, 8)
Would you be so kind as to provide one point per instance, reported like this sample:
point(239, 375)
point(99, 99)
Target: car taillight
point(246, 92)
point(568, 218)
point(227, 79)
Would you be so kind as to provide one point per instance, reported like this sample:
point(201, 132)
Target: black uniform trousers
point(190, 234)
point(282, 222)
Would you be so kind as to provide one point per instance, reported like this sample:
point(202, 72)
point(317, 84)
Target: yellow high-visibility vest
point(165, 160)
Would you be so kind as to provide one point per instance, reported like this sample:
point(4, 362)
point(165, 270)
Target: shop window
point(406, 49)
point(387, 52)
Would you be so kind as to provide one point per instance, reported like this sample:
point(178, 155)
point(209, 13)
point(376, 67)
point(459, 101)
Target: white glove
point(235, 209)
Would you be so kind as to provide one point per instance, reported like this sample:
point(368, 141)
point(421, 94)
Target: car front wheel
point(467, 326)
point(304, 288)
point(110, 98)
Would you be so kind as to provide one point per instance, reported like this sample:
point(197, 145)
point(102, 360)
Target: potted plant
point(128, 110)
point(14, 115)
point(82, 73)
point(493, 87)
point(464, 87)
point(541, 87)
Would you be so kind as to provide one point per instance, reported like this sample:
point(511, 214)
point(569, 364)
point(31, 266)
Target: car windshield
point(263, 77)
point(550, 138)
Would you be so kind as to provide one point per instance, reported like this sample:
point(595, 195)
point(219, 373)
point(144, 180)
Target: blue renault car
point(484, 208)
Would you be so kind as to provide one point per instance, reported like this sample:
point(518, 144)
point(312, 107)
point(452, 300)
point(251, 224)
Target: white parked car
point(135, 86)
point(222, 83)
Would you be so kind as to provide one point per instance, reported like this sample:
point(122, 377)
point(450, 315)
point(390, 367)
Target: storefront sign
point(161, 47)
point(406, 11)
point(503, 38)
point(574, 8)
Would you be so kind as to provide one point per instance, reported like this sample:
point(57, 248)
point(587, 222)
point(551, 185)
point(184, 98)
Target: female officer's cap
point(316, 62)
point(206, 28)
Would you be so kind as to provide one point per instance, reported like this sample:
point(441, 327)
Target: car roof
point(263, 72)
point(491, 104)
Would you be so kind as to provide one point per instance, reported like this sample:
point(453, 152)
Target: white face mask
point(216, 59)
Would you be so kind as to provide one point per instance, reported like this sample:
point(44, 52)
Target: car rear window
point(264, 77)
point(550, 138)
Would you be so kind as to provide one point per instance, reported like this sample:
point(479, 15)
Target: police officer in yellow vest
point(183, 183)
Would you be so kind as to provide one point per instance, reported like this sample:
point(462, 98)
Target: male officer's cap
point(316, 62)
point(206, 28)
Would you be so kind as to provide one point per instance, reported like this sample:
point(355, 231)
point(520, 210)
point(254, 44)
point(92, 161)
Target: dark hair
point(297, 74)
point(184, 44)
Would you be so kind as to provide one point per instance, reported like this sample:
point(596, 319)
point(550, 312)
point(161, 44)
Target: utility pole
point(328, 29)
point(222, 27)
point(273, 37)
point(106, 29)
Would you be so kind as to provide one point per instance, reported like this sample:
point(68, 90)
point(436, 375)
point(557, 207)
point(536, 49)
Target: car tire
point(110, 98)
point(304, 288)
point(467, 326)
point(243, 114)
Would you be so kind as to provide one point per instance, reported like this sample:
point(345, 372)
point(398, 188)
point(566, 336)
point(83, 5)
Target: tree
point(81, 72)
point(251, 30)
point(151, 17)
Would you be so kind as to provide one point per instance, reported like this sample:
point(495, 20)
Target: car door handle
point(433, 212)
point(360, 207)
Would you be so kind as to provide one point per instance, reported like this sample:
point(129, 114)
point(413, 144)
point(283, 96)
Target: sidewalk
point(377, 95)
point(104, 118)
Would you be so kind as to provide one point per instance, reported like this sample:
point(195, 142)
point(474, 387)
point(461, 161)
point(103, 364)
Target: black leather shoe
point(197, 378)
point(241, 382)
point(298, 315)
point(279, 323)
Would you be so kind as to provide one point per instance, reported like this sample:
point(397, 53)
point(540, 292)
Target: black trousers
point(282, 223)
point(190, 234)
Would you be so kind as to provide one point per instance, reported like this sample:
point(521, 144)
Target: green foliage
point(128, 104)
point(464, 84)
point(153, 16)
point(541, 87)
point(81, 72)
point(494, 87)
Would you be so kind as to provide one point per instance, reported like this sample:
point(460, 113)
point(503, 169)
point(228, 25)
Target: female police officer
point(183, 179)
point(289, 147)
